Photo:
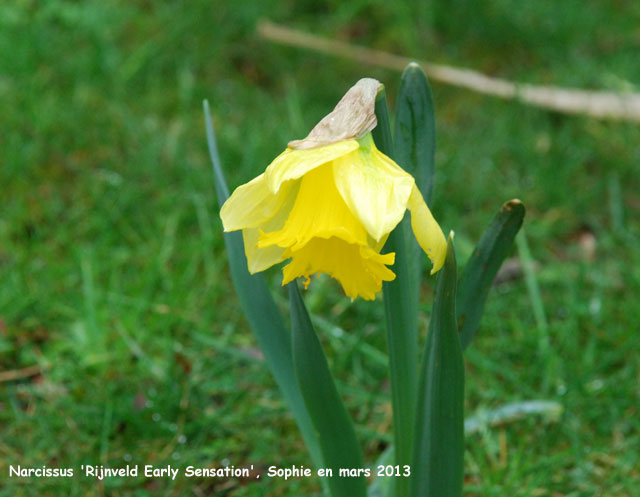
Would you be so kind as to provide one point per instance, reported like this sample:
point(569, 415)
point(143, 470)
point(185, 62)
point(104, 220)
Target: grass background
point(113, 276)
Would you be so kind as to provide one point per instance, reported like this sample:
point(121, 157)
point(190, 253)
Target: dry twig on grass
point(600, 104)
point(18, 374)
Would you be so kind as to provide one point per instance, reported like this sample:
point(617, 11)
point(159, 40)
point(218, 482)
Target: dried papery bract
point(353, 117)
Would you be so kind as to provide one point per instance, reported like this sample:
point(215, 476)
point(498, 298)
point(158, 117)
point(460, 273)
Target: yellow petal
point(293, 164)
point(259, 259)
point(253, 204)
point(374, 187)
point(360, 270)
point(427, 230)
point(318, 212)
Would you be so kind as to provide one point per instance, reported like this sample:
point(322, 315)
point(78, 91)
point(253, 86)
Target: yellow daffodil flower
point(329, 202)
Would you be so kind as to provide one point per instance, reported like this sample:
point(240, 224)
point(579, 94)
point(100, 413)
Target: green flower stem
point(401, 309)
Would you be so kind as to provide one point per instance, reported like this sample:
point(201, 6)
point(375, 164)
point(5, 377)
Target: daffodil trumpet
point(328, 203)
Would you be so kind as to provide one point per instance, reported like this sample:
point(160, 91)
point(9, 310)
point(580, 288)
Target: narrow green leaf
point(483, 265)
point(414, 141)
point(222, 190)
point(338, 441)
point(401, 311)
point(415, 129)
point(265, 320)
point(437, 468)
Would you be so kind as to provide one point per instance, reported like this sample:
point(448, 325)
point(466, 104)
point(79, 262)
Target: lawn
point(114, 283)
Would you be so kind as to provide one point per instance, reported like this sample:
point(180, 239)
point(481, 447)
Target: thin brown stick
point(600, 104)
point(18, 374)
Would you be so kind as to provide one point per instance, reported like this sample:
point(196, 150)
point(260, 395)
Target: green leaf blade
point(437, 468)
point(401, 313)
point(415, 129)
point(265, 320)
point(414, 147)
point(338, 441)
point(483, 266)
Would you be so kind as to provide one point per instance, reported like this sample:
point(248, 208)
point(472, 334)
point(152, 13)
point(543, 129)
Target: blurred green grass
point(113, 276)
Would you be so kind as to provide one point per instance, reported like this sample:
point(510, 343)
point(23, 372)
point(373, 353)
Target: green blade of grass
point(483, 265)
point(401, 312)
point(535, 297)
point(381, 486)
point(265, 320)
point(437, 468)
point(338, 441)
